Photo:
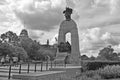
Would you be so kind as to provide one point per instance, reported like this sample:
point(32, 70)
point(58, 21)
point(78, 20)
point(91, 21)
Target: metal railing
point(46, 64)
point(28, 66)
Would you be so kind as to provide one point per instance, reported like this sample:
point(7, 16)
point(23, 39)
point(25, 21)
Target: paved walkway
point(4, 70)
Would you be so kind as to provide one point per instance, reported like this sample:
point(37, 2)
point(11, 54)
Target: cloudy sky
point(98, 21)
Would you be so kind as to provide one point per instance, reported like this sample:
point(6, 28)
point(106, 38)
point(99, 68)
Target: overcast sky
point(98, 21)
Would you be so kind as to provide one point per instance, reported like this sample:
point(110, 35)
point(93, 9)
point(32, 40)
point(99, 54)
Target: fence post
point(41, 65)
point(35, 66)
point(55, 63)
point(9, 72)
point(51, 64)
point(28, 68)
point(47, 65)
point(20, 68)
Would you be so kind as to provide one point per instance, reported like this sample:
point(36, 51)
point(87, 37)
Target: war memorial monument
point(69, 25)
point(61, 72)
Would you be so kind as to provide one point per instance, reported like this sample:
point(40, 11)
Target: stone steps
point(60, 58)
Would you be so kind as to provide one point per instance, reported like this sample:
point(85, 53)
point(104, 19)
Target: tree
point(43, 52)
point(12, 36)
point(114, 56)
point(92, 58)
point(84, 57)
point(30, 46)
point(9, 35)
point(3, 37)
point(6, 49)
point(35, 46)
point(40, 55)
point(108, 54)
point(20, 53)
point(26, 43)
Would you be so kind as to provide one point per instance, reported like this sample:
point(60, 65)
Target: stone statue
point(68, 13)
point(64, 47)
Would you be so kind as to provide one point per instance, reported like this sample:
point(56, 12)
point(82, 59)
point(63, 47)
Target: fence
point(28, 66)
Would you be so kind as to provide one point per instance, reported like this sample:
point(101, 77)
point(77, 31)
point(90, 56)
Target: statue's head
point(68, 13)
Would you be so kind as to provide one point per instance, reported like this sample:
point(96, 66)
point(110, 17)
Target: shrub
point(95, 65)
point(88, 75)
point(109, 72)
point(84, 77)
point(96, 77)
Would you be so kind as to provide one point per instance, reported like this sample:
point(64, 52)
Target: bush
point(89, 75)
point(84, 77)
point(109, 72)
point(95, 65)
point(96, 77)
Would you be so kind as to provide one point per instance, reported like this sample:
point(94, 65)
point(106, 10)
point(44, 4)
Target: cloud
point(40, 21)
point(40, 15)
point(35, 34)
point(98, 13)
point(54, 40)
point(106, 36)
point(116, 48)
point(100, 21)
point(8, 19)
point(94, 39)
point(2, 2)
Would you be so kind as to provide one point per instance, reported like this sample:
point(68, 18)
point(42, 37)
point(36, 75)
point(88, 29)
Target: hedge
point(108, 72)
point(94, 65)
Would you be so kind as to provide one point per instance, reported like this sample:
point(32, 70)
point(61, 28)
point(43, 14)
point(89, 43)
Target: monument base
point(66, 58)
point(70, 71)
point(60, 58)
point(76, 61)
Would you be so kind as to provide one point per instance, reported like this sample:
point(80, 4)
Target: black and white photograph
point(59, 39)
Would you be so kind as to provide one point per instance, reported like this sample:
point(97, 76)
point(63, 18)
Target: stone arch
point(70, 27)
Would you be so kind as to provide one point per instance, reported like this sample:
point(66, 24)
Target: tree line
point(107, 53)
point(24, 48)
